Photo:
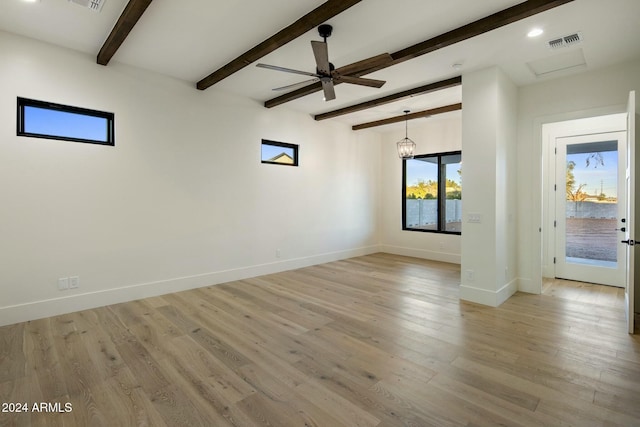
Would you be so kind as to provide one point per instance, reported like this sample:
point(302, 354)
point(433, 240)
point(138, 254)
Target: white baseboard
point(487, 297)
point(421, 253)
point(506, 291)
point(56, 306)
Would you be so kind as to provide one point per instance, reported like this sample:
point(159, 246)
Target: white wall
point(181, 201)
point(488, 146)
point(506, 187)
point(589, 94)
point(434, 135)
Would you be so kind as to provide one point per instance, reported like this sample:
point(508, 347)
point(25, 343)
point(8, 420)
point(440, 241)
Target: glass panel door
point(590, 208)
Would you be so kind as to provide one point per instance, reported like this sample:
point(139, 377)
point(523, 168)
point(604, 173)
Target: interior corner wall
point(181, 201)
point(434, 135)
point(488, 145)
point(588, 94)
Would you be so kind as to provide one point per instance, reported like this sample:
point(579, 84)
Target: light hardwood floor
point(380, 340)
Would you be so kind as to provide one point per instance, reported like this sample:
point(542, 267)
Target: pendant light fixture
point(406, 147)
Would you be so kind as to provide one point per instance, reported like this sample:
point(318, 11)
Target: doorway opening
point(585, 200)
point(590, 208)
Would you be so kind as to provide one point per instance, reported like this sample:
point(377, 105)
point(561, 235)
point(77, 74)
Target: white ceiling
point(188, 39)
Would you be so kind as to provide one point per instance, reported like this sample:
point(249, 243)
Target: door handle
point(629, 242)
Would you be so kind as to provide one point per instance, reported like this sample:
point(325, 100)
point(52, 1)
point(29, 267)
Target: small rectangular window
point(41, 119)
point(279, 153)
point(432, 193)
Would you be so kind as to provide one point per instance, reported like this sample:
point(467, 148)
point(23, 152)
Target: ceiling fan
point(325, 71)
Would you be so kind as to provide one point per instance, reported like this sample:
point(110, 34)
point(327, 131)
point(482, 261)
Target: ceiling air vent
point(556, 43)
point(565, 41)
point(95, 5)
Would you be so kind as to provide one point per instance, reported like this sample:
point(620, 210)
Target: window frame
point(441, 190)
point(26, 102)
point(295, 148)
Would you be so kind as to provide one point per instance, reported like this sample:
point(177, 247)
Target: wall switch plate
point(63, 283)
point(475, 218)
point(74, 282)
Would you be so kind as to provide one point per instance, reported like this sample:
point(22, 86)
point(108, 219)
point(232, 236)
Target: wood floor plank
point(205, 337)
point(344, 410)
point(378, 340)
point(198, 365)
point(515, 413)
point(335, 377)
point(43, 360)
point(12, 360)
point(177, 409)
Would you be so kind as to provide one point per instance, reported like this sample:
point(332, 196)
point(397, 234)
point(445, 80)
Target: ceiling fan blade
point(306, 82)
point(321, 53)
point(286, 70)
point(361, 81)
point(329, 91)
point(366, 64)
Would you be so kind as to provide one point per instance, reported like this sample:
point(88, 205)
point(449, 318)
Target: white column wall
point(489, 114)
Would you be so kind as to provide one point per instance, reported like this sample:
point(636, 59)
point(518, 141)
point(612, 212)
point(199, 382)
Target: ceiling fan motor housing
point(325, 30)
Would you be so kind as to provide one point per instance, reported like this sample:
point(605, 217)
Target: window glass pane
point(453, 184)
point(279, 153)
point(432, 193)
point(422, 193)
point(592, 204)
point(43, 121)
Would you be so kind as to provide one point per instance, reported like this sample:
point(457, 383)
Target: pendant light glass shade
point(406, 147)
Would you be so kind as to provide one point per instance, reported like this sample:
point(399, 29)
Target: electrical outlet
point(74, 282)
point(278, 253)
point(63, 283)
point(471, 275)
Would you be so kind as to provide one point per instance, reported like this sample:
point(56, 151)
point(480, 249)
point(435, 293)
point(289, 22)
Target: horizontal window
point(41, 119)
point(279, 153)
point(432, 193)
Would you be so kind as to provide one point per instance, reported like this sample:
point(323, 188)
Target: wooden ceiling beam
point(128, 19)
point(476, 28)
point(411, 116)
point(308, 22)
point(421, 90)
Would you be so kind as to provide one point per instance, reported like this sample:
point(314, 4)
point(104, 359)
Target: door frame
point(586, 272)
point(631, 214)
point(605, 123)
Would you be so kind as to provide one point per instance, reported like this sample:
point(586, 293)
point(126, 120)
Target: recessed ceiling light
point(535, 32)
point(31, 1)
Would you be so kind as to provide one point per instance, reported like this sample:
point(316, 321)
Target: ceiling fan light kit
point(326, 72)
